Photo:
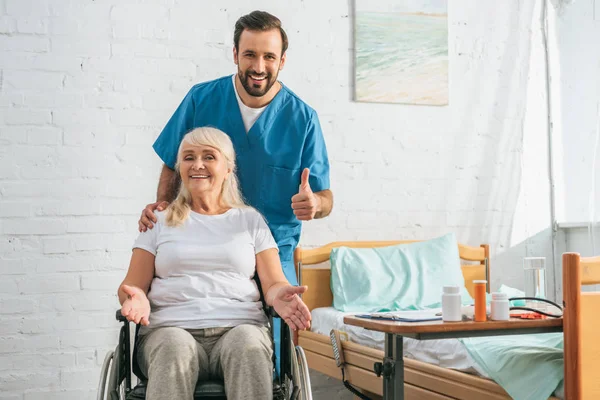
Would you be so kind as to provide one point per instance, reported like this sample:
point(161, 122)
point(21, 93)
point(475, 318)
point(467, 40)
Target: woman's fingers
point(305, 312)
point(290, 324)
point(136, 311)
point(301, 318)
point(138, 318)
point(298, 324)
point(294, 312)
point(299, 306)
point(135, 316)
point(303, 309)
point(305, 322)
point(145, 317)
point(126, 308)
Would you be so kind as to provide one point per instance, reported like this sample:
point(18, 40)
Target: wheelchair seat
point(204, 390)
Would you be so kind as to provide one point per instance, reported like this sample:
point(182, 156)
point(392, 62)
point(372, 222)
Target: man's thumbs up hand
point(304, 185)
point(305, 204)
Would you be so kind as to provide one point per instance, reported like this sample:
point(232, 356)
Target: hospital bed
point(456, 375)
point(581, 324)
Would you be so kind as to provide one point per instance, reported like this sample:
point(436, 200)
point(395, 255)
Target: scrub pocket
point(279, 185)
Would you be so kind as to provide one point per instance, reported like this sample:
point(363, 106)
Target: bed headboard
point(317, 278)
point(581, 324)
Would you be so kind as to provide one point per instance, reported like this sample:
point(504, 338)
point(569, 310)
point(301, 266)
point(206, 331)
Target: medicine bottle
point(451, 304)
point(479, 289)
point(500, 308)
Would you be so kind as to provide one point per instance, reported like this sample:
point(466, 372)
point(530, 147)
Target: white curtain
point(560, 5)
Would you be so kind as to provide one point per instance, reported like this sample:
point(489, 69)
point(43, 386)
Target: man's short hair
point(259, 21)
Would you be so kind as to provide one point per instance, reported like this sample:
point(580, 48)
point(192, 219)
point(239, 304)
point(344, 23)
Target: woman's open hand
point(291, 308)
point(137, 307)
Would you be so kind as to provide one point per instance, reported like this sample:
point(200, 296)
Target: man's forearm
point(326, 200)
point(168, 185)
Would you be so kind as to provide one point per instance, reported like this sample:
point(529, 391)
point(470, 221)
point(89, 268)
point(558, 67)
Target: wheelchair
point(292, 382)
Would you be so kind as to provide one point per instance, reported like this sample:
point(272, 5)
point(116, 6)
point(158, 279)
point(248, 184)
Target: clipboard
point(398, 318)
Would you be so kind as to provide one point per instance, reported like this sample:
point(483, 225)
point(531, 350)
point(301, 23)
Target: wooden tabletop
point(440, 326)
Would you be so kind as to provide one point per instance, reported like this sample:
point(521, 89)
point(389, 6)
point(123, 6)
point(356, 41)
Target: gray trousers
point(174, 359)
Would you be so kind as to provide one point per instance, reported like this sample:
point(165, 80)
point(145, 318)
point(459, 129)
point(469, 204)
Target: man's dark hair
point(258, 21)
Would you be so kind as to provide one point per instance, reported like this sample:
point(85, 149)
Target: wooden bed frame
point(423, 381)
point(581, 325)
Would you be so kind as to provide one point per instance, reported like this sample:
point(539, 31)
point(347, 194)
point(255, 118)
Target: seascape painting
point(402, 51)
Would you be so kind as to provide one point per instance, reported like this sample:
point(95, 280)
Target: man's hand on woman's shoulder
point(148, 217)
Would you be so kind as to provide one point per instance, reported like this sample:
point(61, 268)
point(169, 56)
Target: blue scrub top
point(284, 140)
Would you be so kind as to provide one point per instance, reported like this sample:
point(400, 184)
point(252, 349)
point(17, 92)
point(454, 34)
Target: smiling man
point(283, 167)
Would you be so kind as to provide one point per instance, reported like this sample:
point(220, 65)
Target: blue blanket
point(528, 367)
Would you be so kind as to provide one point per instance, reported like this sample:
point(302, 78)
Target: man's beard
point(256, 90)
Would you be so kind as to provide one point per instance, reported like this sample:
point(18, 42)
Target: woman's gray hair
point(179, 209)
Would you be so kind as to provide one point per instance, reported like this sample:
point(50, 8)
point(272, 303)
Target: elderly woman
point(190, 282)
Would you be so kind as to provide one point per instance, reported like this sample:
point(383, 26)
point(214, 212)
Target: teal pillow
point(401, 277)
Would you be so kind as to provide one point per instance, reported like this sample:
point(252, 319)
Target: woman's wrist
point(272, 293)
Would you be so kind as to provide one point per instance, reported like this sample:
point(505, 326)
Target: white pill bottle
point(451, 304)
point(499, 306)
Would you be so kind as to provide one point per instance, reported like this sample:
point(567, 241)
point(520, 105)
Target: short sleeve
point(149, 240)
point(263, 239)
point(314, 155)
point(181, 122)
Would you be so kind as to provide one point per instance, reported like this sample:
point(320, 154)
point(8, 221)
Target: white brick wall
point(85, 87)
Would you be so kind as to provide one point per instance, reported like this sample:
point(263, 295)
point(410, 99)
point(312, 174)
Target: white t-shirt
point(204, 268)
point(249, 114)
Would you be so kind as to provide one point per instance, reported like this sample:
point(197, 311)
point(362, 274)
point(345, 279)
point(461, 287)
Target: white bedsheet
point(445, 353)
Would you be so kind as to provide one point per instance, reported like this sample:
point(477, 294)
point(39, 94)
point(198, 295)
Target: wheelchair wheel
point(301, 388)
point(104, 375)
point(111, 385)
point(304, 378)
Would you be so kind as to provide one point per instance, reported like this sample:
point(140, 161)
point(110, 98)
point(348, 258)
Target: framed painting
point(401, 51)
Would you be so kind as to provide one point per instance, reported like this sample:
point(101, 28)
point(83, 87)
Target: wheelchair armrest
point(271, 313)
